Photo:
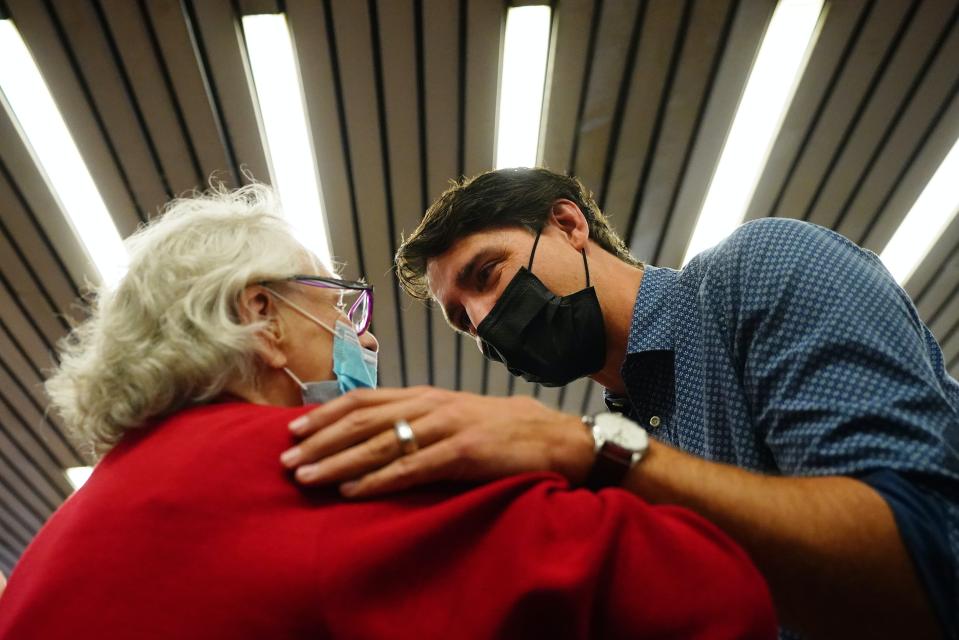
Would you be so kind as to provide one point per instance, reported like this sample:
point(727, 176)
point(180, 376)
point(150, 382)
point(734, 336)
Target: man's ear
point(257, 305)
point(567, 217)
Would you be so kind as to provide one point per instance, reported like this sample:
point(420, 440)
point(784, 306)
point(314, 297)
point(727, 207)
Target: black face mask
point(542, 337)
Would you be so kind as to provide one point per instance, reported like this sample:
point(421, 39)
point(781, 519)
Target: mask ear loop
point(532, 253)
point(585, 266)
point(295, 379)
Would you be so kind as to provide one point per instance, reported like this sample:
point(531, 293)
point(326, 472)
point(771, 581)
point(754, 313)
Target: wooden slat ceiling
point(401, 97)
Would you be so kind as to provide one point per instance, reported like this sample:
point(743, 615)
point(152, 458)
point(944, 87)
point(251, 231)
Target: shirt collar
point(652, 326)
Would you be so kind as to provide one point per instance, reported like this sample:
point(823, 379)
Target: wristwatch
point(620, 444)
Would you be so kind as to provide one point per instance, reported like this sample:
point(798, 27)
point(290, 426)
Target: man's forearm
point(829, 547)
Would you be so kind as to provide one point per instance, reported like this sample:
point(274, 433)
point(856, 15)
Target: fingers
point(436, 462)
point(379, 451)
point(351, 429)
point(334, 410)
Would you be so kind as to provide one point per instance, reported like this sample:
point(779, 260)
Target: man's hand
point(461, 436)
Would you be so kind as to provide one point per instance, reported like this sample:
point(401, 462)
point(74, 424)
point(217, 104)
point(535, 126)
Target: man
point(793, 395)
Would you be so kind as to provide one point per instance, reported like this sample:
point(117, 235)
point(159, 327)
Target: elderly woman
point(186, 376)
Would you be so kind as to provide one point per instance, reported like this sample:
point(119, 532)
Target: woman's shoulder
point(209, 452)
point(222, 424)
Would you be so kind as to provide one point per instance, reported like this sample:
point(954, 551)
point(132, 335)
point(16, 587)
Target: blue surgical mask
point(354, 365)
point(319, 392)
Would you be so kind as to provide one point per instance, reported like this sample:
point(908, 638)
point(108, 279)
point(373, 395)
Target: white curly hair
point(169, 335)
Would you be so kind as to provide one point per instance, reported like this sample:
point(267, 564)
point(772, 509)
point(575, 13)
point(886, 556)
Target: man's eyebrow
point(466, 272)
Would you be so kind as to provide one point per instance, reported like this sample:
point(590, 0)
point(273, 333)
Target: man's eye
point(482, 277)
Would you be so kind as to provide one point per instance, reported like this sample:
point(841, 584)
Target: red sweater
point(192, 529)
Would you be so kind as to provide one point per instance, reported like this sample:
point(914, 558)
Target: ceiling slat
point(950, 348)
point(190, 88)
point(110, 88)
point(33, 453)
point(894, 90)
point(180, 49)
point(398, 49)
point(44, 34)
point(944, 322)
point(915, 175)
point(16, 535)
point(29, 427)
point(309, 26)
point(219, 46)
point(885, 62)
point(23, 484)
point(575, 34)
point(441, 104)
point(938, 274)
point(422, 158)
point(20, 525)
point(935, 87)
point(351, 22)
point(23, 327)
point(859, 77)
point(44, 428)
point(32, 213)
point(701, 50)
point(724, 51)
point(389, 185)
point(151, 81)
point(8, 557)
point(617, 23)
point(484, 21)
point(24, 256)
point(253, 7)
point(841, 32)
point(655, 72)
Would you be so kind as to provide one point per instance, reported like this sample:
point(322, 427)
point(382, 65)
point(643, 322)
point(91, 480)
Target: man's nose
point(478, 308)
point(369, 341)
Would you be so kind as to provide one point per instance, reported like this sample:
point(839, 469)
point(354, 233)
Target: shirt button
point(654, 421)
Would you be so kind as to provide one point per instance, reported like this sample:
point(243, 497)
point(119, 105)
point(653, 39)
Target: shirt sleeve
point(527, 557)
point(923, 525)
point(843, 378)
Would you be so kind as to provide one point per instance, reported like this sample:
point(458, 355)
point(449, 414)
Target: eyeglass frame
point(325, 282)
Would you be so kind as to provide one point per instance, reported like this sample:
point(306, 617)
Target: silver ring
point(406, 437)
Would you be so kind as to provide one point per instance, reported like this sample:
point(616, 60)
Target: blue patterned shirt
point(788, 350)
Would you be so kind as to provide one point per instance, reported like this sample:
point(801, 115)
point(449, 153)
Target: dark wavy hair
point(497, 199)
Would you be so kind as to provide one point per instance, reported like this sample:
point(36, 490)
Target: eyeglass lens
point(359, 312)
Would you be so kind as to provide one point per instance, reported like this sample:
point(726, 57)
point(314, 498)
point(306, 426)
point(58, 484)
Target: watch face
point(622, 431)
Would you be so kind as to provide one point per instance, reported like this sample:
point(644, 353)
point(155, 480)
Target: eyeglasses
point(360, 311)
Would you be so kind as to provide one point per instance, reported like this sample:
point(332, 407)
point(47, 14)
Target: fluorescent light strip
point(772, 82)
point(78, 476)
point(521, 86)
point(46, 133)
point(933, 211)
point(288, 138)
